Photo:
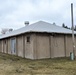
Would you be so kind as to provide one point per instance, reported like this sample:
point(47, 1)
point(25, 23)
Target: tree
point(4, 30)
point(63, 25)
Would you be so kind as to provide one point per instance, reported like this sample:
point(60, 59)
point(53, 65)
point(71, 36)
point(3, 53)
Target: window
point(28, 39)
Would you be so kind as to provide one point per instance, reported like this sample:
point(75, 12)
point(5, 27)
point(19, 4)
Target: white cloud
point(13, 13)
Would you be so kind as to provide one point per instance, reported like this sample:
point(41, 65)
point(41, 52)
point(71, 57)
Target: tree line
point(65, 26)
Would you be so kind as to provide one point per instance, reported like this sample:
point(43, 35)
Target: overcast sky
point(13, 13)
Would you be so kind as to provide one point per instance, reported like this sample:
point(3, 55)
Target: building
point(37, 41)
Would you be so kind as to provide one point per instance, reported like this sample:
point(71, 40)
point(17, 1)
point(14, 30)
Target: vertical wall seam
point(65, 44)
point(3, 46)
point(34, 47)
point(50, 45)
point(16, 46)
point(7, 47)
point(23, 46)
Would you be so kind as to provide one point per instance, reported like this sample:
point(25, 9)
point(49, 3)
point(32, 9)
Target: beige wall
point(34, 46)
point(75, 45)
point(51, 46)
point(29, 47)
point(43, 48)
point(9, 46)
point(5, 45)
point(20, 45)
point(0, 45)
point(69, 45)
point(40, 46)
point(59, 50)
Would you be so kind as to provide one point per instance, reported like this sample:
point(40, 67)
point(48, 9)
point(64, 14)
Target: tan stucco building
point(37, 41)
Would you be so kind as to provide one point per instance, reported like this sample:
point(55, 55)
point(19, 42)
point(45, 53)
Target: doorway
point(13, 46)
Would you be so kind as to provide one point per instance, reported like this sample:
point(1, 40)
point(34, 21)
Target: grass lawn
point(12, 65)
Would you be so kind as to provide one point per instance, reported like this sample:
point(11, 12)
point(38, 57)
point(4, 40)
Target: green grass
point(13, 65)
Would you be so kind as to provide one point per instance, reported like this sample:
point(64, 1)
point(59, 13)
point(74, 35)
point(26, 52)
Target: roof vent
point(10, 30)
point(26, 23)
point(54, 23)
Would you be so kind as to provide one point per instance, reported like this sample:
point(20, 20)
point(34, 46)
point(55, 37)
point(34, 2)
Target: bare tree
point(4, 30)
point(64, 26)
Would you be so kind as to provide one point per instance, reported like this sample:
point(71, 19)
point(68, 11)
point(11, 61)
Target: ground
point(13, 65)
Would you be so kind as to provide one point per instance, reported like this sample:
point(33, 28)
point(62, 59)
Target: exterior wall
point(34, 46)
point(0, 45)
point(52, 46)
point(5, 45)
point(43, 48)
point(75, 45)
point(9, 46)
point(59, 50)
point(69, 45)
point(23, 48)
point(40, 46)
point(49, 46)
point(20, 45)
point(29, 47)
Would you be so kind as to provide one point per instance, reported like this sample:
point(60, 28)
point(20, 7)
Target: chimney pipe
point(26, 23)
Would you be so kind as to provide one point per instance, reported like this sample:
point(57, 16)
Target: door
point(13, 46)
